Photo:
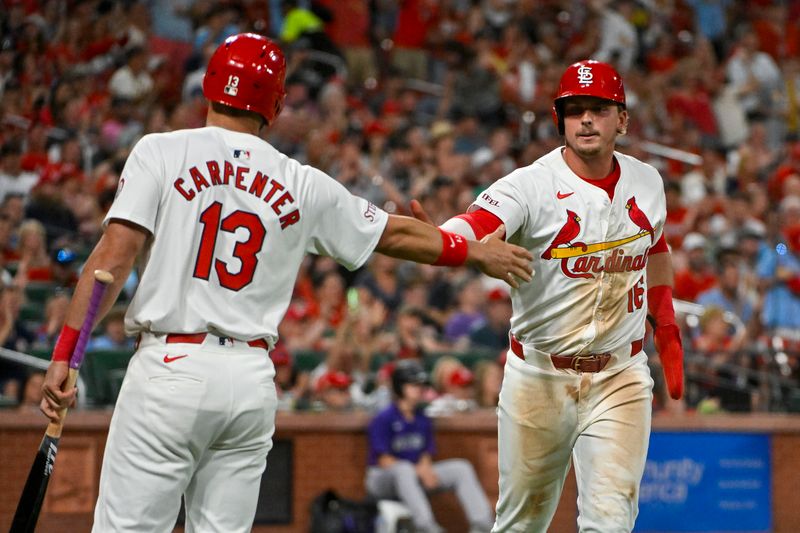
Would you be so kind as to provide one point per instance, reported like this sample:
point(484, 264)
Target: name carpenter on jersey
point(260, 185)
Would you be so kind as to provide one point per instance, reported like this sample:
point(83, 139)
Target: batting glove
point(670, 350)
point(667, 337)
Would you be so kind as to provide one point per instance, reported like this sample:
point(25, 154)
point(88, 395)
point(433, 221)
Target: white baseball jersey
point(590, 253)
point(231, 219)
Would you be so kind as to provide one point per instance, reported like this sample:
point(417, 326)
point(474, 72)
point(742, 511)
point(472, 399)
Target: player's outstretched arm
point(475, 224)
point(115, 252)
point(666, 334)
point(408, 238)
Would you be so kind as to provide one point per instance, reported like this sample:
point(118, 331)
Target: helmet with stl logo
point(587, 78)
point(247, 72)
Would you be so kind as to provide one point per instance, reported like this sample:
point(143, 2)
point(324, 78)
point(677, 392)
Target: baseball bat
point(30, 502)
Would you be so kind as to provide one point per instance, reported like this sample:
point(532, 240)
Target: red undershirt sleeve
point(659, 247)
point(481, 221)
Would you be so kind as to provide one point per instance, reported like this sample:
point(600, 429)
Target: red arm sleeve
point(481, 221)
point(659, 247)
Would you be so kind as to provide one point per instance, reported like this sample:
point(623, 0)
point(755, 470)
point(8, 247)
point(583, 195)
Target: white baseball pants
point(600, 421)
point(198, 426)
point(400, 481)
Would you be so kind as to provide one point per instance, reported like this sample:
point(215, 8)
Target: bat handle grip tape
point(54, 428)
point(98, 290)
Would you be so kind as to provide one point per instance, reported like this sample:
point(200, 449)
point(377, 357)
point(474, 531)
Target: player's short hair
point(223, 109)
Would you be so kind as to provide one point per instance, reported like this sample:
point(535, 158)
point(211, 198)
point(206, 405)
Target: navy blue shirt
point(390, 433)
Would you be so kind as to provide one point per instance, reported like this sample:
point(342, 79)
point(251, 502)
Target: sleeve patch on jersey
point(370, 212)
point(489, 200)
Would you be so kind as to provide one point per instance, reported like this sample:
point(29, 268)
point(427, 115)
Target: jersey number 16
point(636, 295)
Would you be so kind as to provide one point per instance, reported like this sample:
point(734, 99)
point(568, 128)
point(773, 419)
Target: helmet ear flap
point(558, 116)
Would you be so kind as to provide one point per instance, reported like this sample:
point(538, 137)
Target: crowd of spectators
point(433, 100)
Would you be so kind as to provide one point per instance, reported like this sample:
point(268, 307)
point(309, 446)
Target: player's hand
point(53, 398)
point(427, 476)
point(419, 213)
point(496, 258)
point(670, 351)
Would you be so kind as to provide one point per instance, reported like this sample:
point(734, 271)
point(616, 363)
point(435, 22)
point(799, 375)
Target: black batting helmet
point(407, 371)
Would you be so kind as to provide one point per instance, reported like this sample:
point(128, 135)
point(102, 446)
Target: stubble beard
point(584, 151)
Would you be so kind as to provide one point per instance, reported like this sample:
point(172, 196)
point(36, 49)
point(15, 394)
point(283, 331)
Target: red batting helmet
point(588, 78)
point(247, 72)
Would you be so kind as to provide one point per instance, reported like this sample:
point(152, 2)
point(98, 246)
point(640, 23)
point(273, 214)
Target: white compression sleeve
point(460, 227)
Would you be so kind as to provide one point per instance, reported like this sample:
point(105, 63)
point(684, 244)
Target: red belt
point(591, 362)
point(198, 338)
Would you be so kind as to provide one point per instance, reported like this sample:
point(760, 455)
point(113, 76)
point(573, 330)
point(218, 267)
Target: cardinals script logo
point(587, 263)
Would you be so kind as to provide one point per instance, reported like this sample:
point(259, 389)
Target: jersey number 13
point(245, 251)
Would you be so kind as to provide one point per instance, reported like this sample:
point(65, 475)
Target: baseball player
point(576, 383)
point(401, 449)
point(224, 221)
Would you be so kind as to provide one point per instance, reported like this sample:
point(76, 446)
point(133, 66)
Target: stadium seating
point(103, 372)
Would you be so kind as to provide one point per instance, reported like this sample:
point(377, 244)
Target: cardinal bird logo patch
point(639, 218)
point(585, 260)
point(566, 234)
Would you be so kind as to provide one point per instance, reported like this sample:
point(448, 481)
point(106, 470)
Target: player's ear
point(622, 125)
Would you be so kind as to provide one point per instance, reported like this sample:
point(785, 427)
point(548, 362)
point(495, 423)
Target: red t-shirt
point(689, 284)
point(696, 108)
point(673, 227)
point(414, 20)
point(609, 183)
point(350, 24)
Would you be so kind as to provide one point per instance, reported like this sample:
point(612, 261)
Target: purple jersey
point(390, 433)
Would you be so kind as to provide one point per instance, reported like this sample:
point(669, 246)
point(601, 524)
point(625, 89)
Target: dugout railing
point(772, 382)
point(32, 363)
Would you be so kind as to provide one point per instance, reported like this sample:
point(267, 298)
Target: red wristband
point(454, 249)
point(659, 305)
point(65, 344)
